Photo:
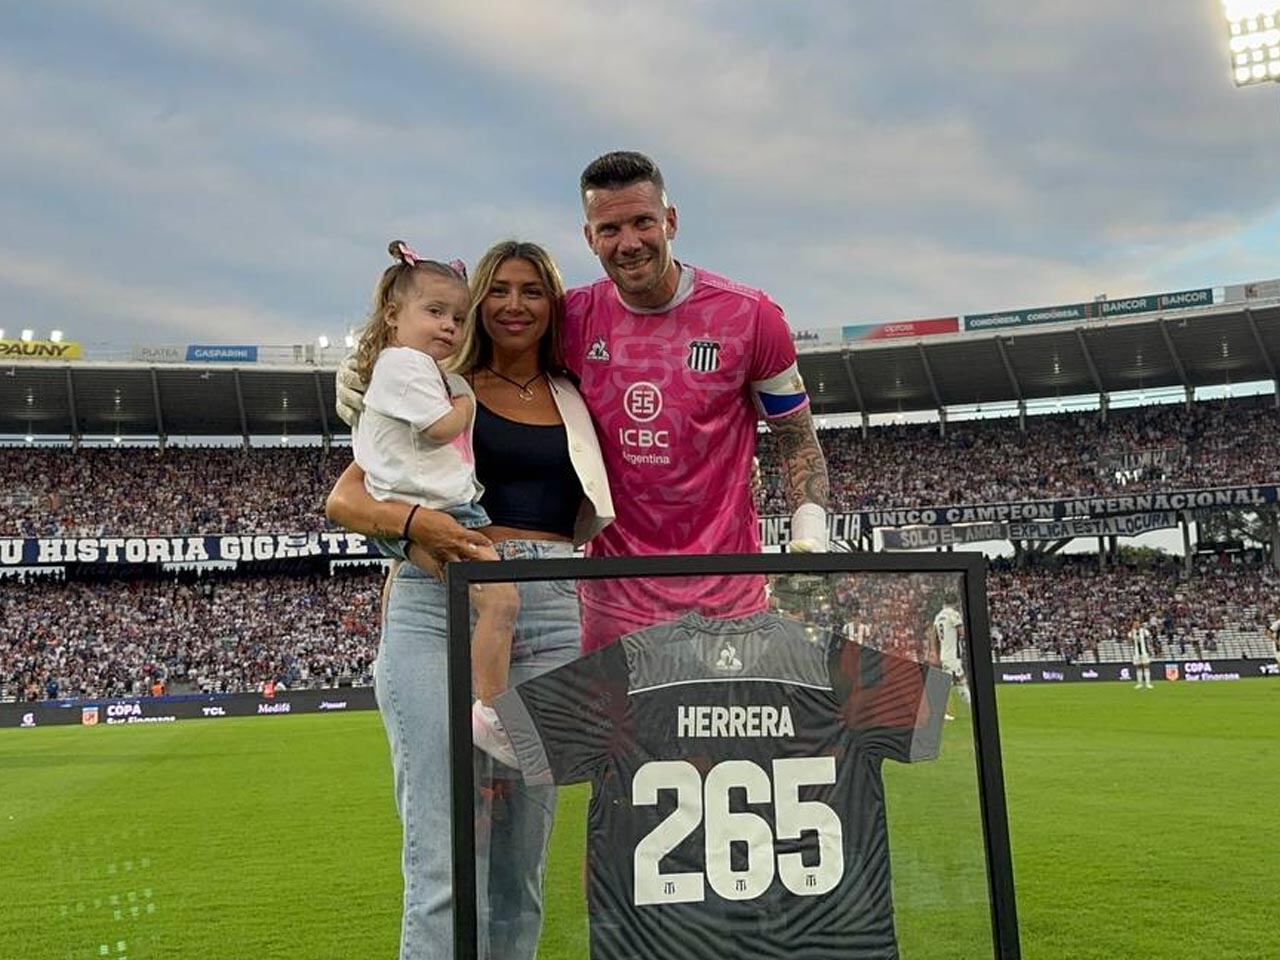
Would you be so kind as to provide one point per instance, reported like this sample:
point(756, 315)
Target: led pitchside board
point(763, 756)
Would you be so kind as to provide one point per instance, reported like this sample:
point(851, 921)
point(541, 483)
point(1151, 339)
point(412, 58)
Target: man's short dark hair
point(619, 169)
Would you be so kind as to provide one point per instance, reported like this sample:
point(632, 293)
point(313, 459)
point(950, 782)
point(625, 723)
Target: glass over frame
point(750, 756)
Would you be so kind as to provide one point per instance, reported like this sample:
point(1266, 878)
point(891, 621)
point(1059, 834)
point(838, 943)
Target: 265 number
point(708, 803)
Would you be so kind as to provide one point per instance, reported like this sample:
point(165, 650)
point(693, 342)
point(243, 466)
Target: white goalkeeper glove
point(350, 391)
point(808, 529)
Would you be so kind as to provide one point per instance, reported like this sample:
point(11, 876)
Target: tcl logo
point(646, 439)
point(213, 711)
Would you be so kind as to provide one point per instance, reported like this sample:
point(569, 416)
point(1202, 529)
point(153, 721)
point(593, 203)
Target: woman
point(545, 490)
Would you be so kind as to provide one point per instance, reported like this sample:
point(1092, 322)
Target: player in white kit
point(1274, 630)
point(947, 626)
point(1140, 637)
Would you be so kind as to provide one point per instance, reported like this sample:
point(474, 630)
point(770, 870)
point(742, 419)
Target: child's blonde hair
point(398, 282)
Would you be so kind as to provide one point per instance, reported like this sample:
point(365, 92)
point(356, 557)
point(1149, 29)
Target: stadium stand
point(215, 633)
point(1060, 455)
point(122, 491)
point(90, 636)
point(1072, 611)
point(139, 491)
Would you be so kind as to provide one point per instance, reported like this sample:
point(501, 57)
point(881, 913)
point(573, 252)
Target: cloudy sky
point(175, 171)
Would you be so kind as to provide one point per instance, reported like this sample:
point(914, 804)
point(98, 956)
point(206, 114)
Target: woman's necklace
point(522, 389)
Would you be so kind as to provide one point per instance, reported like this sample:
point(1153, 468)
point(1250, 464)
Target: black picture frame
point(978, 666)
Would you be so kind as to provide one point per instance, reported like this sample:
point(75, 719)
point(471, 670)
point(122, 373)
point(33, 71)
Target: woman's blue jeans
point(513, 821)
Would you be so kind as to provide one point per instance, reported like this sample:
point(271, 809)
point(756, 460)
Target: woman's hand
point(436, 539)
point(439, 538)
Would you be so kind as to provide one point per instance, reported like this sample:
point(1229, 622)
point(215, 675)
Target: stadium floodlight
point(28, 336)
point(1254, 26)
point(55, 336)
point(350, 340)
point(323, 342)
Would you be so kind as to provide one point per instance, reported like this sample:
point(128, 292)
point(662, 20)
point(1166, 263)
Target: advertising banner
point(158, 354)
point(1098, 309)
point(1153, 302)
point(1204, 671)
point(134, 710)
point(901, 328)
point(1022, 318)
point(199, 353)
point(57, 551)
point(40, 350)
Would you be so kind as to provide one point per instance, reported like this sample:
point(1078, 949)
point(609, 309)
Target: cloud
point(212, 33)
point(860, 161)
point(169, 314)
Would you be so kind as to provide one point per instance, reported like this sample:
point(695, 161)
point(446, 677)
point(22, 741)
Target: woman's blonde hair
point(398, 282)
point(476, 350)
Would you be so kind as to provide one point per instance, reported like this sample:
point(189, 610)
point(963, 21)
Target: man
point(1274, 630)
point(1140, 638)
point(677, 365)
point(946, 625)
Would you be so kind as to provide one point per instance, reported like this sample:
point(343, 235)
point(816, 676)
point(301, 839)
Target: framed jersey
point(767, 785)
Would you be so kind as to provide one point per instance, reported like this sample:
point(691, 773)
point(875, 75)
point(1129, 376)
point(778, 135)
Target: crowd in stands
point(232, 633)
point(1069, 608)
point(140, 491)
point(1060, 455)
point(214, 635)
point(236, 633)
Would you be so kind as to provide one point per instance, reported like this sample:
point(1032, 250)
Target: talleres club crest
point(704, 356)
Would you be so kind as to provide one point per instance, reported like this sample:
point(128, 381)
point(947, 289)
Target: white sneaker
point(1148, 687)
point(1137, 686)
point(488, 734)
point(947, 716)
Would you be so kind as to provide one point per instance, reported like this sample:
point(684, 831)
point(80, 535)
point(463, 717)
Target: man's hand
point(350, 391)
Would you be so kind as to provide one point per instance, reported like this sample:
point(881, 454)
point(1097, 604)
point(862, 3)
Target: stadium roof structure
point(1209, 346)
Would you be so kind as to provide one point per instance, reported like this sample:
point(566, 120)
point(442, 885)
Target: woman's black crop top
point(529, 481)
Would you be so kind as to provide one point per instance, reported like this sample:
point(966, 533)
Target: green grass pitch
point(1143, 823)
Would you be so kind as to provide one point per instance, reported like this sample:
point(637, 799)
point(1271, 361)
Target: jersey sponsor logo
point(704, 356)
point(644, 437)
point(598, 351)
point(642, 401)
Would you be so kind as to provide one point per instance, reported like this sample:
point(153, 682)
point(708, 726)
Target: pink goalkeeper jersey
point(671, 394)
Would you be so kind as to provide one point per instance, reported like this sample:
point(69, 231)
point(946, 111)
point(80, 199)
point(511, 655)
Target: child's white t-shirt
point(406, 395)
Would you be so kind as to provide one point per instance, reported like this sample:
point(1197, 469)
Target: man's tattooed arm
point(804, 466)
